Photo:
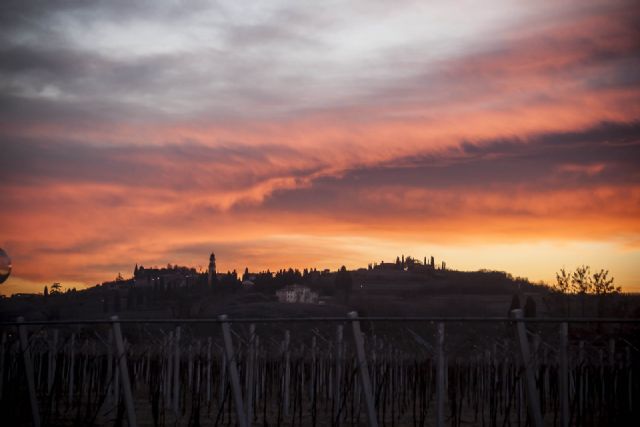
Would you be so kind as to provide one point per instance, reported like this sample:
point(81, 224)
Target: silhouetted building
point(169, 276)
point(407, 263)
point(387, 266)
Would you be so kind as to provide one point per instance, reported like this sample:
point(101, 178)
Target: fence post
point(339, 360)
point(124, 372)
point(2, 345)
point(110, 376)
point(287, 372)
point(249, 375)
point(176, 375)
point(223, 377)
point(168, 369)
point(564, 376)
point(364, 370)
point(28, 368)
point(209, 369)
point(532, 394)
point(72, 360)
point(53, 348)
point(440, 391)
point(233, 372)
point(312, 380)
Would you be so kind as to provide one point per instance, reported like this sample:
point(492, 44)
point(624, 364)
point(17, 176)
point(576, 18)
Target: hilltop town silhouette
point(405, 286)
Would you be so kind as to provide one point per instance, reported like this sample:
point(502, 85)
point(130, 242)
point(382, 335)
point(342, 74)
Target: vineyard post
point(189, 366)
point(168, 367)
point(147, 368)
point(630, 382)
point(564, 376)
point(110, 376)
point(124, 372)
point(233, 371)
point(258, 373)
point(176, 374)
point(363, 369)
point(339, 338)
point(532, 395)
point(601, 369)
point(53, 347)
point(85, 360)
point(223, 377)
point(374, 359)
point(440, 386)
point(250, 367)
point(49, 362)
point(116, 383)
point(26, 356)
point(581, 370)
point(2, 345)
point(312, 380)
point(287, 372)
point(301, 371)
point(208, 370)
point(71, 367)
point(198, 365)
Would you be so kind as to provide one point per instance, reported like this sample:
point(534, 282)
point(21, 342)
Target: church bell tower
point(212, 278)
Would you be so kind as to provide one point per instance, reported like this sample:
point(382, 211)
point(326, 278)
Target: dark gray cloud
point(184, 166)
point(554, 161)
point(607, 154)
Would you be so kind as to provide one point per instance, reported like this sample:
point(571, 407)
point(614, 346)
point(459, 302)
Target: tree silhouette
point(603, 286)
point(581, 284)
point(563, 281)
point(56, 288)
point(562, 285)
point(580, 280)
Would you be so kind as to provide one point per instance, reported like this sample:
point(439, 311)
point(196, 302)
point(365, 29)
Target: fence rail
point(621, 320)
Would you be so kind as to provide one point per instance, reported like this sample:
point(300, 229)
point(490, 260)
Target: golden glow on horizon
point(537, 262)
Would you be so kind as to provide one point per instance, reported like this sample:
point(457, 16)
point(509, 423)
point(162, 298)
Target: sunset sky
point(490, 134)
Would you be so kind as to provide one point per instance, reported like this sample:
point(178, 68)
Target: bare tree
point(581, 284)
point(603, 284)
point(603, 287)
point(562, 285)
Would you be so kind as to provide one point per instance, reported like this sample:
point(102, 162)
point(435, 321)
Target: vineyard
point(321, 372)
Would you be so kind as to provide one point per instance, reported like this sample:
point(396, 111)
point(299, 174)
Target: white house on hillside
point(297, 293)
